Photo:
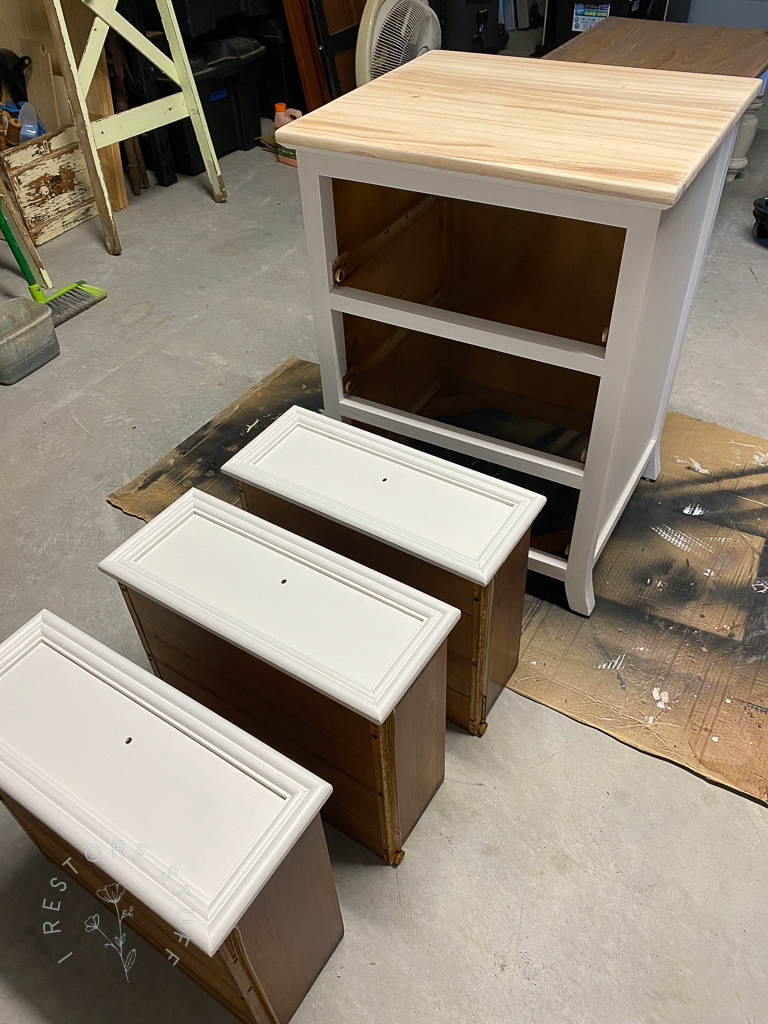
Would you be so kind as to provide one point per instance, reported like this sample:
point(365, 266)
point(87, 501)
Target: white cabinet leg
point(580, 591)
point(653, 465)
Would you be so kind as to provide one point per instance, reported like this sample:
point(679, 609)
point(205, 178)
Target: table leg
point(744, 139)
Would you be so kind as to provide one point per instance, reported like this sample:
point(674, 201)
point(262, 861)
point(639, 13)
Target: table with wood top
point(669, 46)
point(519, 238)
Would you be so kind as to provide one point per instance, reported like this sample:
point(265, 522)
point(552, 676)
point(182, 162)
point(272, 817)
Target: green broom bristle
point(73, 300)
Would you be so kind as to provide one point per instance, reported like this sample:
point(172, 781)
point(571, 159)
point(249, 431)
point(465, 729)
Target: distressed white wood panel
point(188, 790)
point(454, 517)
point(333, 624)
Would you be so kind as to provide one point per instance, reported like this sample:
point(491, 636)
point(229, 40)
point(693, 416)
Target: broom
point(66, 302)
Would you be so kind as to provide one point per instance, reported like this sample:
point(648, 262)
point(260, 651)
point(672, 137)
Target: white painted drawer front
point(188, 790)
point(454, 517)
point(280, 594)
point(329, 622)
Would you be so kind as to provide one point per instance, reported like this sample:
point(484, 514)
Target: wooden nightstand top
point(670, 46)
point(633, 133)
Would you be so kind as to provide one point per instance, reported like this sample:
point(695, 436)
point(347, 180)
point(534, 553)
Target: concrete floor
point(558, 875)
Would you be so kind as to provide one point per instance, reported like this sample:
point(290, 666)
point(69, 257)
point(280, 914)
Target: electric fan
point(391, 33)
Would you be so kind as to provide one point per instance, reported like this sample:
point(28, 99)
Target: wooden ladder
point(93, 135)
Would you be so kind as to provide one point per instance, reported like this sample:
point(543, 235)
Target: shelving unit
point(492, 235)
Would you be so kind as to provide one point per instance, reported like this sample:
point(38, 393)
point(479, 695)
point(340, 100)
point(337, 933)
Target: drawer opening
point(521, 401)
point(554, 275)
point(552, 528)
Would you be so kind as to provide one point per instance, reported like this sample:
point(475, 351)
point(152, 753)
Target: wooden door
point(324, 36)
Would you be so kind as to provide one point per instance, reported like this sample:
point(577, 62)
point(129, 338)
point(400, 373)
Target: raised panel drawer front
point(328, 661)
point(459, 535)
point(453, 517)
point(147, 788)
point(353, 634)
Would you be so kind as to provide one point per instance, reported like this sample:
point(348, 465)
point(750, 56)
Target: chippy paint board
point(450, 516)
point(51, 184)
point(335, 625)
point(102, 751)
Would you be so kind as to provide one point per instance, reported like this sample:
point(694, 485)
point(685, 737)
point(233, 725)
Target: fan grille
point(409, 29)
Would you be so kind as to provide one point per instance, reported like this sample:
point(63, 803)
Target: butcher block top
point(104, 753)
point(454, 517)
point(634, 133)
point(341, 628)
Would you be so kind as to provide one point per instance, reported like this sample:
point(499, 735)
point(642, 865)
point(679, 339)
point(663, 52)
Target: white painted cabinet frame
point(663, 254)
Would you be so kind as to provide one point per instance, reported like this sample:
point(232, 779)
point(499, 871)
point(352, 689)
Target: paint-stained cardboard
point(673, 658)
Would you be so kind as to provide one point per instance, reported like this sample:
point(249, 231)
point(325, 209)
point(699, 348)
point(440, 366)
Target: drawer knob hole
point(129, 739)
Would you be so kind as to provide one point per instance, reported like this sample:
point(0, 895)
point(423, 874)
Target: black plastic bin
point(202, 17)
point(280, 81)
point(227, 73)
point(471, 25)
